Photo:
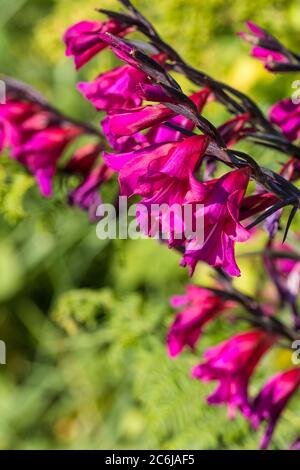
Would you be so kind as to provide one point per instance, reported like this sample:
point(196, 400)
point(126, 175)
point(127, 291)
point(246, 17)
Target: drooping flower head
point(86, 196)
point(272, 400)
point(16, 120)
point(232, 131)
point(200, 306)
point(232, 363)
point(268, 57)
point(265, 47)
point(37, 137)
point(256, 203)
point(128, 122)
point(286, 115)
point(125, 143)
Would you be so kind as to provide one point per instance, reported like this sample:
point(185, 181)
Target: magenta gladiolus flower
point(12, 117)
point(2, 136)
point(163, 133)
point(122, 49)
point(160, 172)
point(268, 57)
point(232, 130)
point(132, 121)
point(232, 363)
point(286, 115)
point(221, 200)
point(296, 444)
point(151, 92)
point(116, 89)
point(200, 306)
point(42, 151)
point(146, 117)
point(256, 203)
point(84, 159)
point(272, 400)
point(87, 196)
point(84, 42)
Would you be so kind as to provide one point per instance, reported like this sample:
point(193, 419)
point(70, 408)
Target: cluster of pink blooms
point(161, 158)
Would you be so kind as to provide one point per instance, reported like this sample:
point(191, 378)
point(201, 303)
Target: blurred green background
point(85, 321)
